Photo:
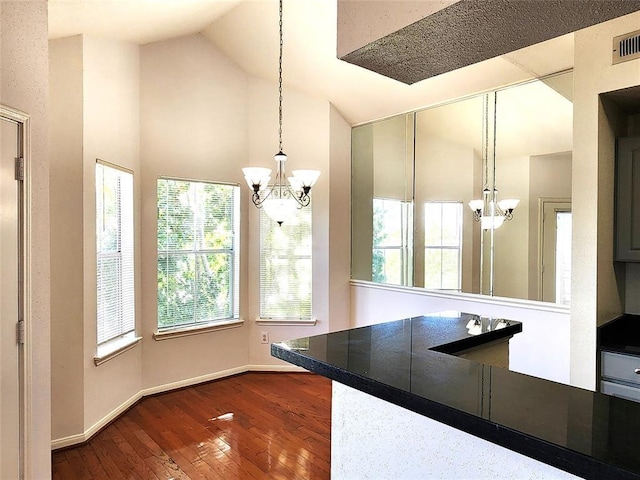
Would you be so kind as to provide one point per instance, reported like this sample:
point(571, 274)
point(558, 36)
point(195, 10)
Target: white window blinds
point(392, 259)
point(115, 265)
point(285, 266)
point(198, 259)
point(443, 245)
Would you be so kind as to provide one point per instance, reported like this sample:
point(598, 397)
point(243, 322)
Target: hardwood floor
point(250, 426)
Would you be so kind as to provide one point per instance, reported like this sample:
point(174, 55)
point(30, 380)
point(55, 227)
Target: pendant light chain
point(281, 198)
point(495, 136)
point(485, 147)
point(280, 86)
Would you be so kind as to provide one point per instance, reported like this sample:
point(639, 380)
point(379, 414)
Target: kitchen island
point(405, 406)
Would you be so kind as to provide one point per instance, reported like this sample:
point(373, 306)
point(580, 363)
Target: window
point(198, 260)
point(392, 242)
point(563, 258)
point(114, 235)
point(285, 266)
point(443, 245)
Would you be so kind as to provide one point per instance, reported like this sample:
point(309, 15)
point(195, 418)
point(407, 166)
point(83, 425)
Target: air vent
point(626, 47)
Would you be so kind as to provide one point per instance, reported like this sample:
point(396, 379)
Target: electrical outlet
point(264, 337)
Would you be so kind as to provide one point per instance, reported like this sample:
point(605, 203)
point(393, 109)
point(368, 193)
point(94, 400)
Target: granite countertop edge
point(558, 456)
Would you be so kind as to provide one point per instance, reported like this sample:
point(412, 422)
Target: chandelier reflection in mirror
point(280, 199)
point(490, 212)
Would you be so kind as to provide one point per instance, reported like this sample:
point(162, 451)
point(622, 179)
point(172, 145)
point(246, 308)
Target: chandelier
point(490, 212)
point(280, 199)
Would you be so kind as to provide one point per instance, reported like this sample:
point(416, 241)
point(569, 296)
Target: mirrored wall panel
point(382, 201)
point(472, 196)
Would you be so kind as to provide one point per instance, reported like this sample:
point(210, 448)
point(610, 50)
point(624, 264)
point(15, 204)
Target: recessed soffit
point(470, 31)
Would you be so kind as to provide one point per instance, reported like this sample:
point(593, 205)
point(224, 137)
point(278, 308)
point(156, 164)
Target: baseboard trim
point(96, 427)
point(68, 441)
point(72, 440)
point(167, 387)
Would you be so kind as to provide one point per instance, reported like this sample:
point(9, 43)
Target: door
point(10, 302)
point(555, 268)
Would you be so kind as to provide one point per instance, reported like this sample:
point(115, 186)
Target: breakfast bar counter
point(409, 402)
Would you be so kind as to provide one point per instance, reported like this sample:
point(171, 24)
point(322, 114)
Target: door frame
point(542, 202)
point(25, 351)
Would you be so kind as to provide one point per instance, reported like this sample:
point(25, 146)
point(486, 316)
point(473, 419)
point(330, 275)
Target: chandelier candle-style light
point(490, 212)
point(280, 199)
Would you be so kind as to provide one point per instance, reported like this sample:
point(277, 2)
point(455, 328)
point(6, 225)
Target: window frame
point(125, 337)
point(405, 247)
point(292, 318)
point(204, 326)
point(440, 247)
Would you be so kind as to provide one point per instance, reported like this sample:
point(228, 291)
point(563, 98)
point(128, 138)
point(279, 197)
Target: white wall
point(24, 86)
point(535, 351)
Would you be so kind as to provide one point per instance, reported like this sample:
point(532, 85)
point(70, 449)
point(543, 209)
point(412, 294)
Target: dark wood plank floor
point(250, 426)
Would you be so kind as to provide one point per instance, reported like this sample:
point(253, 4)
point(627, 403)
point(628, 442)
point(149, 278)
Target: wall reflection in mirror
point(471, 196)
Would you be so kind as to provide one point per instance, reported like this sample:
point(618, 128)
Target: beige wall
point(307, 142)
point(176, 108)
point(229, 143)
point(94, 114)
point(111, 132)
point(339, 222)
point(193, 125)
point(24, 86)
point(391, 158)
point(595, 297)
point(549, 177)
point(66, 177)
point(361, 201)
point(512, 239)
point(448, 156)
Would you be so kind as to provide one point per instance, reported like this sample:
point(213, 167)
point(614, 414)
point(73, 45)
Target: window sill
point(196, 329)
point(114, 348)
point(287, 321)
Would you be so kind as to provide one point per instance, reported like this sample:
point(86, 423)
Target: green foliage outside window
point(379, 237)
point(197, 252)
point(391, 241)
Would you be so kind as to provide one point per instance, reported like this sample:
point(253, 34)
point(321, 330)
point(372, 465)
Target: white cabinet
point(621, 375)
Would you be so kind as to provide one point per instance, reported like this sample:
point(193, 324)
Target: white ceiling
point(247, 31)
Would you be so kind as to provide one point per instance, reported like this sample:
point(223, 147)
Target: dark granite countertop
point(409, 363)
point(621, 335)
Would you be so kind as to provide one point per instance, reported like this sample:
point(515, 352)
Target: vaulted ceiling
point(247, 32)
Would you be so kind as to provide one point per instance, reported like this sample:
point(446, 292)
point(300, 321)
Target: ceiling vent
point(626, 47)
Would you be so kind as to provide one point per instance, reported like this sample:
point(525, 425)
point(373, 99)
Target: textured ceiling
point(470, 31)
